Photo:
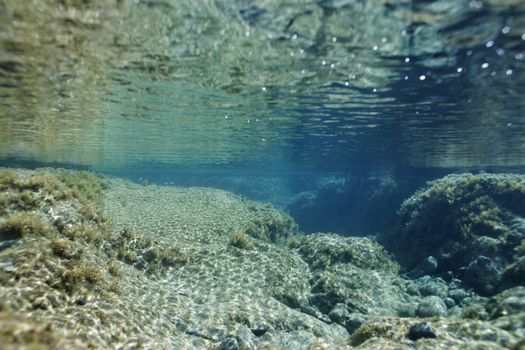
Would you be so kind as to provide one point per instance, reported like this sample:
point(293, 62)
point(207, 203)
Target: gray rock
point(449, 302)
point(4, 244)
point(457, 294)
point(431, 306)
point(483, 275)
point(339, 313)
point(421, 330)
point(455, 283)
point(406, 309)
point(455, 312)
point(432, 286)
point(354, 321)
point(412, 288)
point(7, 266)
point(426, 267)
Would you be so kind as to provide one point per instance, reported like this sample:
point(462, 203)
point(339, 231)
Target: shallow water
point(331, 85)
point(279, 155)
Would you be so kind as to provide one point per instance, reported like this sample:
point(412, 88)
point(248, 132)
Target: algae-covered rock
point(504, 329)
point(395, 333)
point(431, 306)
point(465, 221)
point(345, 270)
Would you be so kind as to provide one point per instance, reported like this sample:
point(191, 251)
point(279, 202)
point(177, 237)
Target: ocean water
point(233, 174)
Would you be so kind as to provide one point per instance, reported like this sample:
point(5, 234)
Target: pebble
point(421, 330)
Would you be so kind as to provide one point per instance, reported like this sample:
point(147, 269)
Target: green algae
point(240, 240)
point(459, 217)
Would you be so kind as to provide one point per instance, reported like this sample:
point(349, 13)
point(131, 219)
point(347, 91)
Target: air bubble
point(489, 43)
point(407, 59)
point(459, 70)
point(323, 63)
point(485, 65)
point(422, 77)
point(263, 88)
point(375, 47)
point(508, 71)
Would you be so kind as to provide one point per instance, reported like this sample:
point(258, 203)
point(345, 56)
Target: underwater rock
point(394, 333)
point(458, 218)
point(457, 294)
point(7, 266)
point(344, 270)
point(432, 286)
point(431, 306)
point(421, 330)
point(508, 302)
point(4, 244)
point(483, 275)
point(426, 267)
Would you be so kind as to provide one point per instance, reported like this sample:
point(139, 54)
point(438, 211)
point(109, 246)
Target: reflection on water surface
point(336, 84)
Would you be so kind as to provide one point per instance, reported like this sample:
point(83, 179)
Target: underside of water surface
point(233, 174)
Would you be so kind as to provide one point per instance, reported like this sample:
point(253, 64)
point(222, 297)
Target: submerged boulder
point(344, 272)
point(472, 224)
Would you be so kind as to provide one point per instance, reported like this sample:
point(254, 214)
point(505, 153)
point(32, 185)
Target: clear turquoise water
point(234, 85)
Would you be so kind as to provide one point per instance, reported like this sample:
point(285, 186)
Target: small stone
point(429, 265)
point(81, 301)
point(455, 283)
point(259, 330)
point(228, 344)
point(339, 313)
point(449, 302)
point(431, 306)
point(412, 289)
point(7, 266)
point(421, 330)
point(432, 286)
point(455, 312)
point(458, 295)
point(4, 244)
point(354, 322)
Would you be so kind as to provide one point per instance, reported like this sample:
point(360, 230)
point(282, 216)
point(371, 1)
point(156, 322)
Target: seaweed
point(240, 240)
